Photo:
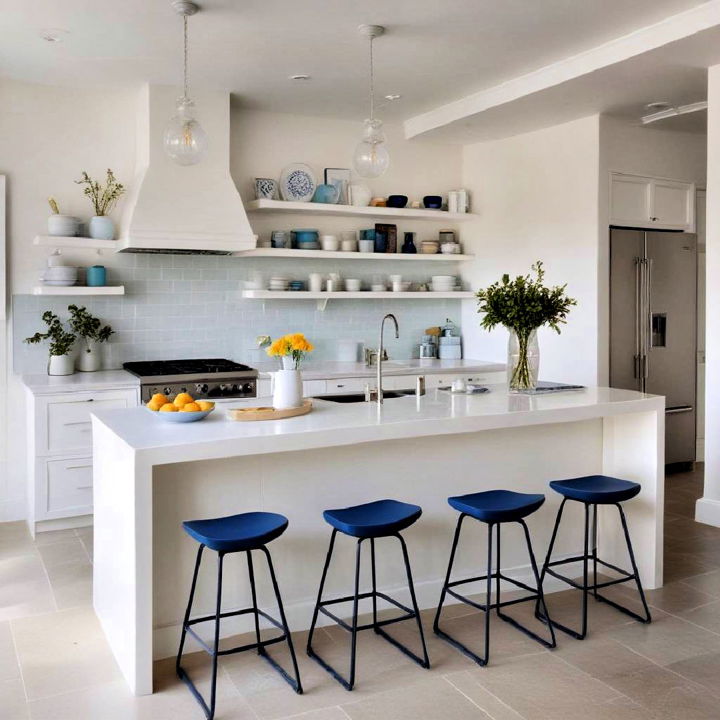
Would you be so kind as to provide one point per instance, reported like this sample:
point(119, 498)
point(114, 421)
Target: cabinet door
point(630, 200)
point(673, 205)
point(65, 488)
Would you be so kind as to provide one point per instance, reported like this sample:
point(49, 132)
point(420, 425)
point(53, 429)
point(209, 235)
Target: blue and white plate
point(297, 183)
point(181, 417)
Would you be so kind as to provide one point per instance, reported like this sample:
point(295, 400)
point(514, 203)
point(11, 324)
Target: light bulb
point(371, 157)
point(185, 141)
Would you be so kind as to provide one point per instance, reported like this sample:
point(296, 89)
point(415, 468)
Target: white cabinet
point(648, 202)
point(60, 453)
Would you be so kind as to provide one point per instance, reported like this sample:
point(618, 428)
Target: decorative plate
point(297, 183)
point(181, 417)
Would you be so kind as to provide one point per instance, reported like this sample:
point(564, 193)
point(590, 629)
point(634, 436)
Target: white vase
point(101, 227)
point(287, 389)
point(63, 225)
point(61, 365)
point(359, 195)
point(89, 359)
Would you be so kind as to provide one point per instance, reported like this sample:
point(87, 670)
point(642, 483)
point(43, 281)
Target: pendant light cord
point(185, 57)
point(372, 84)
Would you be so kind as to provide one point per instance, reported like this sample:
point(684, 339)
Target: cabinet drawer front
point(348, 384)
point(68, 489)
point(68, 425)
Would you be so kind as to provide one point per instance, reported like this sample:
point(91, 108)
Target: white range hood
point(194, 209)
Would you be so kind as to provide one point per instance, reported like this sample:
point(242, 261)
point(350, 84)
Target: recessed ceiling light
point(300, 77)
point(658, 105)
point(53, 35)
point(392, 97)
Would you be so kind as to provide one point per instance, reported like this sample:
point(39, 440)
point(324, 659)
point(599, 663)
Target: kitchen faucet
point(379, 390)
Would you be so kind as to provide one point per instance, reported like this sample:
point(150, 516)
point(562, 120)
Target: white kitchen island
point(149, 476)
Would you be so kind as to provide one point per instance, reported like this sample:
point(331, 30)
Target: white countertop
point(80, 381)
point(333, 424)
point(325, 370)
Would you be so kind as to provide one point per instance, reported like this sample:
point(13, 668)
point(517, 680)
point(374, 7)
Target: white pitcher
point(287, 389)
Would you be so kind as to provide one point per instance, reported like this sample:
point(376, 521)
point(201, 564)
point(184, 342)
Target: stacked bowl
point(60, 276)
point(443, 283)
point(279, 282)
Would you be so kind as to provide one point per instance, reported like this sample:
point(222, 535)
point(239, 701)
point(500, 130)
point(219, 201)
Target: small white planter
point(63, 225)
point(287, 389)
point(61, 365)
point(101, 227)
point(89, 359)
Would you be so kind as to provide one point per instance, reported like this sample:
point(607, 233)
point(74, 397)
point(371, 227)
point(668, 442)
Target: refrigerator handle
point(648, 318)
point(638, 312)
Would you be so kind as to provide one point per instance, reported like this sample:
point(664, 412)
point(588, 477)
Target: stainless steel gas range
point(214, 379)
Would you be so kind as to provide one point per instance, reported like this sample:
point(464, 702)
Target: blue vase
point(326, 194)
point(381, 242)
point(101, 227)
point(96, 276)
point(408, 246)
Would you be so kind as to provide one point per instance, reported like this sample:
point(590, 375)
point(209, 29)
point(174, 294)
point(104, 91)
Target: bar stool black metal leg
point(295, 684)
point(497, 576)
point(374, 584)
point(356, 601)
point(425, 660)
point(328, 557)
point(548, 555)
point(251, 574)
point(443, 593)
point(594, 551)
point(178, 670)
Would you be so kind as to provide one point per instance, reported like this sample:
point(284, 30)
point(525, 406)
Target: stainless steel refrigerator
point(653, 307)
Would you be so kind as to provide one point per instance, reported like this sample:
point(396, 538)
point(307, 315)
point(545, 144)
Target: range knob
point(247, 389)
point(202, 387)
point(167, 391)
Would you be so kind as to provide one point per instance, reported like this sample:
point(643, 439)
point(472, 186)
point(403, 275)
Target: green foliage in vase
point(87, 326)
point(524, 303)
point(61, 341)
point(103, 198)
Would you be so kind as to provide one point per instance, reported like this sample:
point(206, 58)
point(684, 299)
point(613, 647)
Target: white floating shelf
point(76, 243)
point(79, 290)
point(330, 255)
point(310, 208)
point(323, 297)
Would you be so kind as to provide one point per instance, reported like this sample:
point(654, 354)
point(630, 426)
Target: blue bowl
point(305, 235)
point(432, 202)
point(181, 417)
point(397, 201)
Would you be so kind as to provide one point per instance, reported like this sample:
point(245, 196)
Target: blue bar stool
point(494, 507)
point(383, 518)
point(236, 533)
point(591, 491)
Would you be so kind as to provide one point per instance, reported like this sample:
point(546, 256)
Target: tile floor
point(55, 665)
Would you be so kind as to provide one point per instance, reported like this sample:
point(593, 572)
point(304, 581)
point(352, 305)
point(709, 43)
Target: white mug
point(315, 282)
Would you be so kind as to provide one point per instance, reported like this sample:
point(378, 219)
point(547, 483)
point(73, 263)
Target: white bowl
point(367, 246)
point(331, 244)
point(352, 285)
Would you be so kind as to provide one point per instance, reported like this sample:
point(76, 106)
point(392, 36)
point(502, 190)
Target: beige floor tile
point(538, 686)
point(666, 694)
point(15, 539)
point(62, 552)
point(707, 582)
point(707, 616)
point(54, 536)
point(703, 669)
point(673, 597)
point(12, 700)
point(9, 668)
point(667, 640)
point(24, 587)
point(86, 538)
point(467, 684)
point(62, 651)
point(334, 713)
point(71, 584)
point(434, 699)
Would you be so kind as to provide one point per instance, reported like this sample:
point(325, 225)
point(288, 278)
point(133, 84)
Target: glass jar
point(523, 361)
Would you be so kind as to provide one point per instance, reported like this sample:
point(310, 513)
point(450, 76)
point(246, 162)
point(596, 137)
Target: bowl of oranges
point(182, 409)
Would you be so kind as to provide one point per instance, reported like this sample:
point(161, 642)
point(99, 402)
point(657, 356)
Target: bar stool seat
point(373, 519)
point(247, 531)
point(596, 489)
point(497, 505)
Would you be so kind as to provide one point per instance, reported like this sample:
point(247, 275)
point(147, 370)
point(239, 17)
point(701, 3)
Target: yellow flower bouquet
point(294, 347)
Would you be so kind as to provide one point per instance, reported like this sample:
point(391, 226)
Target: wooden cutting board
point(248, 414)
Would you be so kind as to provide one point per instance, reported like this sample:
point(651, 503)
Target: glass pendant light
point(185, 141)
point(371, 157)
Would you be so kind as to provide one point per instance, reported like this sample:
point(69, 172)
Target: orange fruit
point(168, 407)
point(205, 404)
point(190, 407)
point(159, 399)
point(182, 399)
point(154, 405)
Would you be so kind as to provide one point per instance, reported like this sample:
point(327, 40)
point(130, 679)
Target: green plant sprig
point(61, 341)
point(102, 197)
point(87, 326)
point(524, 304)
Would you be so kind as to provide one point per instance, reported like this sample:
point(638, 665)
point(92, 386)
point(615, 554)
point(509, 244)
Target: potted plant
point(92, 332)
point(61, 342)
point(103, 199)
point(287, 383)
point(523, 305)
point(63, 225)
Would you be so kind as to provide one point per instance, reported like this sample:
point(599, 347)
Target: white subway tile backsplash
point(191, 306)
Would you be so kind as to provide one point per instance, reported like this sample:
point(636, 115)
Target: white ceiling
point(434, 51)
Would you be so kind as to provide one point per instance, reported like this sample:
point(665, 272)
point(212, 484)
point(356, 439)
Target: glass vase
point(523, 361)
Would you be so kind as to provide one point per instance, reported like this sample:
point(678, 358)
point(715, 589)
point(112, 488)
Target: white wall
point(537, 196)
point(708, 507)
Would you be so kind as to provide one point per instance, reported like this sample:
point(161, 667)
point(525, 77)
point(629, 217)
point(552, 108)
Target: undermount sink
point(360, 397)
